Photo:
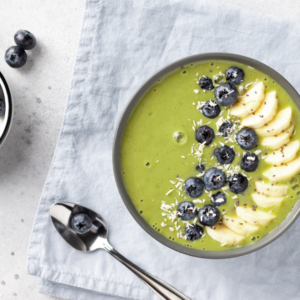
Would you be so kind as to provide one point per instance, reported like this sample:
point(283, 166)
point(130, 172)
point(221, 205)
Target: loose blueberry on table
point(214, 179)
point(226, 94)
point(218, 199)
point(206, 83)
point(186, 211)
point(211, 109)
point(247, 138)
point(15, 57)
point(225, 155)
point(205, 134)
point(81, 223)
point(25, 39)
point(249, 162)
point(235, 75)
point(237, 183)
point(194, 232)
point(208, 215)
point(194, 187)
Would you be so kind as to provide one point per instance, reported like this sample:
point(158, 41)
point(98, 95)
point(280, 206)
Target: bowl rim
point(194, 59)
point(9, 99)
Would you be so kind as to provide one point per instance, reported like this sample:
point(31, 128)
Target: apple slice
point(254, 217)
point(264, 113)
point(266, 200)
point(271, 189)
point(284, 154)
point(239, 226)
point(281, 173)
point(280, 122)
point(224, 235)
point(276, 141)
point(250, 101)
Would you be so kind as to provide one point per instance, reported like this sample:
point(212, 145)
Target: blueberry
point(226, 128)
point(247, 138)
point(237, 183)
point(15, 57)
point(211, 109)
point(249, 162)
point(235, 75)
point(208, 215)
point(81, 223)
point(226, 94)
point(186, 211)
point(2, 107)
point(194, 232)
point(194, 187)
point(206, 83)
point(218, 199)
point(25, 39)
point(224, 155)
point(205, 134)
point(200, 168)
point(214, 179)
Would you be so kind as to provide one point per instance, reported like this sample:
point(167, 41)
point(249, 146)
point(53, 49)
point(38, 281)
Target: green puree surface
point(151, 158)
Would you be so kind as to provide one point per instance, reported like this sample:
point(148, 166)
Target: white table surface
point(40, 91)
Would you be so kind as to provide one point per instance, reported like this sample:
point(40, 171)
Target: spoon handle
point(162, 289)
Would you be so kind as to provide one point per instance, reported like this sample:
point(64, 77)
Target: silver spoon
point(88, 232)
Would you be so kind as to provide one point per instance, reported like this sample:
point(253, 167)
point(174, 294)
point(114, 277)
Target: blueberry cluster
point(16, 56)
point(226, 93)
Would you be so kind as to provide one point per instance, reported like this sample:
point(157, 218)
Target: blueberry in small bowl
point(225, 155)
point(211, 109)
point(225, 128)
point(206, 83)
point(194, 187)
point(249, 162)
point(214, 179)
point(235, 75)
point(2, 107)
point(226, 94)
point(194, 232)
point(186, 211)
point(247, 138)
point(208, 215)
point(237, 183)
point(218, 199)
point(205, 134)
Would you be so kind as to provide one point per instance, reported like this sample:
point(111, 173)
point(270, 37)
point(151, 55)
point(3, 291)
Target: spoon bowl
point(86, 231)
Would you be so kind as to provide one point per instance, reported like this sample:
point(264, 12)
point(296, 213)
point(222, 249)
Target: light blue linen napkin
point(122, 44)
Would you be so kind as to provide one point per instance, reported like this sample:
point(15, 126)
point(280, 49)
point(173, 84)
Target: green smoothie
point(159, 153)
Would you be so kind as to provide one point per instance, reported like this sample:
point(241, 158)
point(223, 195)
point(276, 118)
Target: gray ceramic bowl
point(116, 156)
point(6, 120)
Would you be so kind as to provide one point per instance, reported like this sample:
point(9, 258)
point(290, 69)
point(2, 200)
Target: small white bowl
point(6, 120)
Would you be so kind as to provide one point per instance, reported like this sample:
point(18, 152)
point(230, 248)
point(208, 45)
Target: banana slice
point(266, 200)
point(281, 121)
point(264, 113)
point(224, 235)
point(284, 172)
point(284, 154)
point(254, 217)
point(250, 101)
point(276, 141)
point(271, 189)
point(239, 226)
point(238, 110)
